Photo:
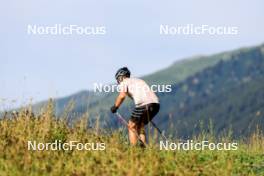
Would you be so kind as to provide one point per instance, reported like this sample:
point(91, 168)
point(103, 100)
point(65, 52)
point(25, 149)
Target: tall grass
point(118, 158)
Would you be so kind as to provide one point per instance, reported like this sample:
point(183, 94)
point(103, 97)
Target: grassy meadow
point(118, 158)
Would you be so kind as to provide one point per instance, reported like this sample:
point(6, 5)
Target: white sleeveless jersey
point(139, 91)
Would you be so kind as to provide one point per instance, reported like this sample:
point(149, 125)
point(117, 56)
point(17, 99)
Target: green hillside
point(230, 94)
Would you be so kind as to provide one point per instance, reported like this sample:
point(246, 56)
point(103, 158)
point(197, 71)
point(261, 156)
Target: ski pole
point(126, 124)
point(155, 126)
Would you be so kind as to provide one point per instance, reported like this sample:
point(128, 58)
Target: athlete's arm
point(121, 97)
point(119, 100)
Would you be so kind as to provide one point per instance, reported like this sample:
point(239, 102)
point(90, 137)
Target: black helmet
point(122, 72)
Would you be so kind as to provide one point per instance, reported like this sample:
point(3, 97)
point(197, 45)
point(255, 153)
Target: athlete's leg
point(142, 133)
point(132, 132)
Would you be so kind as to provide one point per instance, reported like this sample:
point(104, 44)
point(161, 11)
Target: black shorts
point(145, 113)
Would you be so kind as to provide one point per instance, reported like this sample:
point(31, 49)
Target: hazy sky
point(40, 66)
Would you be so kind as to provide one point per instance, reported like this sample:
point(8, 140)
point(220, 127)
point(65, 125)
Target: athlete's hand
point(114, 109)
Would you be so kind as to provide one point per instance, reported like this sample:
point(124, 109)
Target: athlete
point(146, 103)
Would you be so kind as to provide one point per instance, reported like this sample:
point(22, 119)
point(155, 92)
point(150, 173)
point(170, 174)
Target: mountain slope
point(182, 69)
point(230, 93)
